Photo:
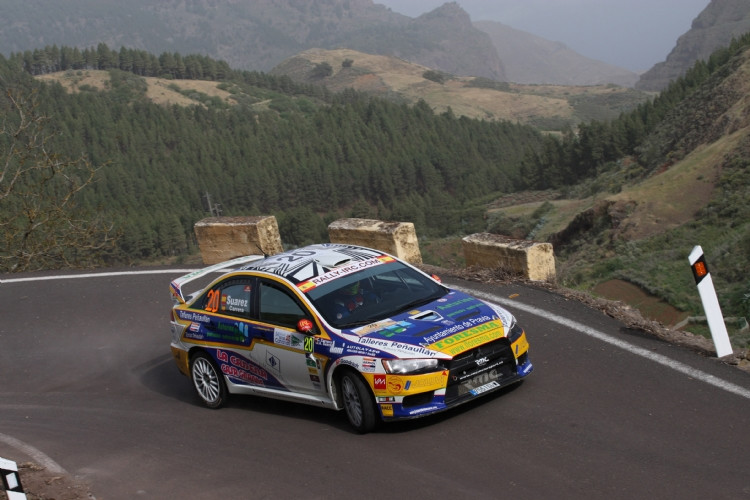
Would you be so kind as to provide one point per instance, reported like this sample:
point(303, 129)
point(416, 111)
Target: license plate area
point(484, 388)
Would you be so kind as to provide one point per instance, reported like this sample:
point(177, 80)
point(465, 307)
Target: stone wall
point(396, 238)
point(530, 259)
point(224, 238)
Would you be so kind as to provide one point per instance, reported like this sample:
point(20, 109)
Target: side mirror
point(305, 326)
point(437, 278)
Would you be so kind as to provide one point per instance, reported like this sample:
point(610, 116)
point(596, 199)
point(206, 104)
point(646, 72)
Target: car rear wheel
point(208, 380)
point(359, 404)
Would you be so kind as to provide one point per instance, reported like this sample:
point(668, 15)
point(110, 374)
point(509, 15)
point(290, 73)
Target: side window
point(277, 306)
point(233, 298)
point(236, 299)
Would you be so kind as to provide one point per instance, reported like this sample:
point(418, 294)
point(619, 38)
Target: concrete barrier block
point(530, 259)
point(224, 238)
point(396, 238)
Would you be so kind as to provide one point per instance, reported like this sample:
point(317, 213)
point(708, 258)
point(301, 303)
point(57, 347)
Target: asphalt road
point(87, 384)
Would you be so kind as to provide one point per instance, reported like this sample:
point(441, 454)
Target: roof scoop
point(332, 260)
point(428, 316)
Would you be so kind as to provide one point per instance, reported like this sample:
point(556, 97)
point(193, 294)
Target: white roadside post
point(11, 480)
point(710, 302)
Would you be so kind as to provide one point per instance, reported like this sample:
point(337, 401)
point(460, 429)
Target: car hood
point(444, 328)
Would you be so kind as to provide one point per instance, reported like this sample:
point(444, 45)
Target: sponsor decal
point(241, 368)
point(457, 303)
point(315, 379)
point(386, 410)
point(395, 384)
point(339, 272)
point(482, 382)
point(193, 316)
point(423, 410)
point(273, 362)
point(244, 329)
point(286, 338)
point(394, 328)
point(387, 344)
point(348, 362)
point(379, 325)
point(469, 338)
point(235, 305)
point(311, 370)
point(229, 332)
point(369, 364)
point(379, 382)
point(336, 350)
point(194, 332)
point(456, 328)
point(282, 337)
point(418, 383)
point(361, 350)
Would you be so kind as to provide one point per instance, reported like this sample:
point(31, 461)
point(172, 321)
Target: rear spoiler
point(176, 285)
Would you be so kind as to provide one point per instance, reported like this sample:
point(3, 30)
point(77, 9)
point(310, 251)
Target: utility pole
point(213, 209)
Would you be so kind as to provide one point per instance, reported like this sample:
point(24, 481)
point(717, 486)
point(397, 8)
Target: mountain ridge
point(713, 28)
point(529, 59)
point(260, 34)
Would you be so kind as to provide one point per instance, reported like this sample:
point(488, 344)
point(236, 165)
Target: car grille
point(493, 362)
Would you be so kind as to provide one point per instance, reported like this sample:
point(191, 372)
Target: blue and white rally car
point(342, 327)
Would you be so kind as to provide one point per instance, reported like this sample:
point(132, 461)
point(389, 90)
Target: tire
point(359, 404)
point(208, 380)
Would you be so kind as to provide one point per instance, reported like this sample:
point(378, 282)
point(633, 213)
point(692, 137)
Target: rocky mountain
point(259, 34)
point(254, 35)
point(531, 59)
point(714, 28)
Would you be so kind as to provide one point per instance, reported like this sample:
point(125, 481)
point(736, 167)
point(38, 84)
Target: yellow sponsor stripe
point(520, 346)
point(468, 339)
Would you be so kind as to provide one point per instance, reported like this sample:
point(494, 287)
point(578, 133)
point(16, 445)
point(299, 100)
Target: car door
point(285, 354)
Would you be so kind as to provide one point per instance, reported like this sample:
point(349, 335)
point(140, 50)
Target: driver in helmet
point(351, 297)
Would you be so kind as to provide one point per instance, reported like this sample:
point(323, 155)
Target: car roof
point(305, 263)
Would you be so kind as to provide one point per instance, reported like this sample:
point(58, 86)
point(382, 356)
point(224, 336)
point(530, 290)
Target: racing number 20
point(212, 304)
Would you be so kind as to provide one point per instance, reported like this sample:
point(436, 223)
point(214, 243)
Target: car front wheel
point(208, 380)
point(359, 404)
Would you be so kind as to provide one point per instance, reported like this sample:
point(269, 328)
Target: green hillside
point(622, 199)
point(671, 175)
point(268, 146)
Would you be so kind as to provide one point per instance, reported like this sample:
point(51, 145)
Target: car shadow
point(161, 376)
point(438, 418)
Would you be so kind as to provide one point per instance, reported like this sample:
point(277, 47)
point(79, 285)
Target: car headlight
point(512, 330)
point(404, 366)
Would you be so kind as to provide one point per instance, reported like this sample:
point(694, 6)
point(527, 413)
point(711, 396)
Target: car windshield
point(374, 294)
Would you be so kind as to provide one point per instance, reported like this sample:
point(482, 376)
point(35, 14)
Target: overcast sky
point(632, 34)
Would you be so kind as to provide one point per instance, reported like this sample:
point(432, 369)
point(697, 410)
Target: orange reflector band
point(700, 269)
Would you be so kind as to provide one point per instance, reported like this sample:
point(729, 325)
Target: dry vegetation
point(389, 75)
point(160, 90)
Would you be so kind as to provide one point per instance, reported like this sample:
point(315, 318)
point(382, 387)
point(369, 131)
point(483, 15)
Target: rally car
point(342, 327)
